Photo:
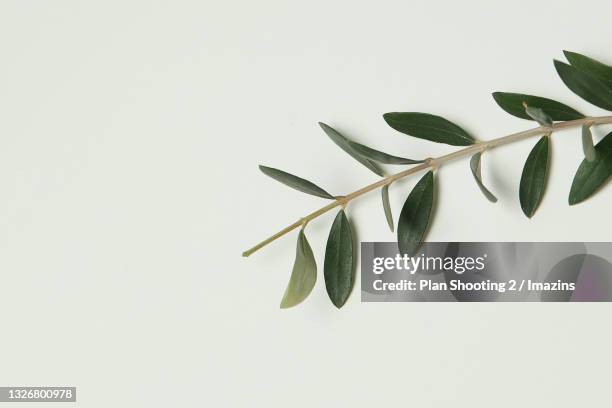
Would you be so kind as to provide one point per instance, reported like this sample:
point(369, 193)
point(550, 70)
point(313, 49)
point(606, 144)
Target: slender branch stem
point(433, 163)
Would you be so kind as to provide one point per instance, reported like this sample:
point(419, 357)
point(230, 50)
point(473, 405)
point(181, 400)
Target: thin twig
point(432, 163)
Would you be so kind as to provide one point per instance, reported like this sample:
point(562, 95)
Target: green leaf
point(338, 267)
point(345, 144)
point(379, 156)
point(429, 127)
point(538, 115)
point(295, 182)
point(589, 65)
point(387, 206)
point(585, 85)
point(303, 276)
point(533, 179)
point(415, 215)
point(587, 143)
point(591, 176)
point(476, 172)
point(513, 104)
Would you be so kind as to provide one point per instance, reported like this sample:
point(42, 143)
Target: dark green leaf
point(476, 172)
point(303, 276)
point(345, 144)
point(585, 85)
point(513, 104)
point(592, 175)
point(415, 215)
point(338, 267)
point(295, 182)
point(589, 65)
point(430, 127)
point(387, 206)
point(587, 143)
point(379, 156)
point(538, 115)
point(533, 179)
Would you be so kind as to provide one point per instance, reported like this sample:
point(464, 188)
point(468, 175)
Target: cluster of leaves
point(586, 77)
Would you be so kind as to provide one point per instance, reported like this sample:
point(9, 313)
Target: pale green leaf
point(587, 143)
point(477, 173)
point(387, 206)
point(303, 275)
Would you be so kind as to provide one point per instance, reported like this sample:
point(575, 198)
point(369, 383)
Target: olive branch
point(586, 77)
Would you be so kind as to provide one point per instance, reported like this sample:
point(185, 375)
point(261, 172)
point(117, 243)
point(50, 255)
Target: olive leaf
point(338, 265)
point(513, 104)
point(586, 77)
point(379, 156)
point(429, 127)
point(589, 65)
point(591, 176)
point(295, 182)
point(587, 143)
point(538, 115)
point(585, 85)
point(415, 215)
point(345, 144)
point(533, 179)
point(476, 172)
point(303, 275)
point(387, 206)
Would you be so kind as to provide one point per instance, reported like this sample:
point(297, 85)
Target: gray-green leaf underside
point(538, 115)
point(477, 173)
point(587, 143)
point(387, 206)
point(295, 182)
point(303, 275)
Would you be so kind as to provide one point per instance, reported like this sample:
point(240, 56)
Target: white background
point(131, 133)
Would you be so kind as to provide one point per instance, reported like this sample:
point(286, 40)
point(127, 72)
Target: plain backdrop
point(131, 133)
